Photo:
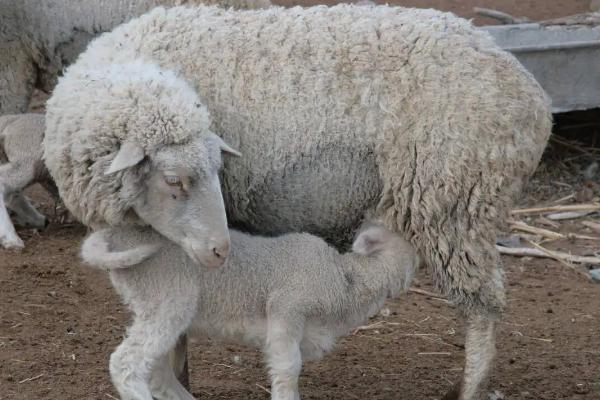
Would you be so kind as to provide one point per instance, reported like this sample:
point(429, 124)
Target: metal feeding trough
point(563, 55)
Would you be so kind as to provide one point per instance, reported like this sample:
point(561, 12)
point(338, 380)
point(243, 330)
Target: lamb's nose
point(222, 250)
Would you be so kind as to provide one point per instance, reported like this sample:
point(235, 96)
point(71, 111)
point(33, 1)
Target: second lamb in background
point(292, 295)
point(21, 166)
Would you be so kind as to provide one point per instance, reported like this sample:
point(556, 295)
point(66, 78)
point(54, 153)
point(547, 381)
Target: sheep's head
point(136, 148)
point(176, 190)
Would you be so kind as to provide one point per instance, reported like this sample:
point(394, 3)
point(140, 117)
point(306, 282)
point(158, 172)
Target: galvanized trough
point(564, 58)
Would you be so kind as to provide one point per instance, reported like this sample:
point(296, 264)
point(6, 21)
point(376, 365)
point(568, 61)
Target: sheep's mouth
point(202, 257)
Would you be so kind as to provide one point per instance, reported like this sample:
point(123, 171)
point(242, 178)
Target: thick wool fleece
point(38, 39)
point(412, 115)
point(129, 102)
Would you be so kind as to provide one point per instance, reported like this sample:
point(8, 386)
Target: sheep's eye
point(172, 180)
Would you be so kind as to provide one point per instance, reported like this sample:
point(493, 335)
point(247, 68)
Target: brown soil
point(532, 9)
point(60, 321)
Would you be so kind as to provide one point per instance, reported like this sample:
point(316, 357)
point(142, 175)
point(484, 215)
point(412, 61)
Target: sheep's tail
point(95, 253)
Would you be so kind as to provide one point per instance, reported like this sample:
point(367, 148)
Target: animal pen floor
point(60, 321)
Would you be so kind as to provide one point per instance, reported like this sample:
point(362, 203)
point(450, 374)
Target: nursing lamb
point(291, 295)
point(412, 115)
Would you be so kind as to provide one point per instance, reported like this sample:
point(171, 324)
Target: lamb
point(411, 116)
point(38, 39)
point(22, 165)
point(291, 295)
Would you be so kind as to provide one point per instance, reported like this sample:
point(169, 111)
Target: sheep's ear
point(225, 148)
point(129, 155)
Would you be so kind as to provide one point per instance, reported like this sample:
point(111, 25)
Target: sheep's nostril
point(46, 222)
point(221, 251)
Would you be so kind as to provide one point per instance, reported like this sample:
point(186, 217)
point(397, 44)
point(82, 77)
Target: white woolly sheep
point(291, 295)
point(39, 38)
point(21, 166)
point(155, 152)
point(413, 115)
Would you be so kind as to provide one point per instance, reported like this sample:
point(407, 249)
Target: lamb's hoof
point(12, 243)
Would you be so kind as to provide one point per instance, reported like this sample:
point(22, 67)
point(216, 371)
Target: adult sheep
point(410, 115)
point(39, 38)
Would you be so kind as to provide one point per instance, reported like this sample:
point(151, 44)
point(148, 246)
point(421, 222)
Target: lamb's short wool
point(21, 165)
point(291, 295)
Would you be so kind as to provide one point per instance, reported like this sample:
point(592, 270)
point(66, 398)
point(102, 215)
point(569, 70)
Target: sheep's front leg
point(8, 235)
point(284, 359)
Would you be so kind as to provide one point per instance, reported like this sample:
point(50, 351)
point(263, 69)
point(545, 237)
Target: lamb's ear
point(129, 155)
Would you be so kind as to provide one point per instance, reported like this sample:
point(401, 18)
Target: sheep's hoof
point(454, 393)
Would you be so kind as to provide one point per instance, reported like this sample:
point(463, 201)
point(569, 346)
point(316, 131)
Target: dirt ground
point(532, 9)
point(59, 321)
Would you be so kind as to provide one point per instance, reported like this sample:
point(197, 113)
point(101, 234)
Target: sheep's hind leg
point(480, 351)
point(284, 359)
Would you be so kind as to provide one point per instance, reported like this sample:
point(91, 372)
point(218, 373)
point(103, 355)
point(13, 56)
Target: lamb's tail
point(95, 252)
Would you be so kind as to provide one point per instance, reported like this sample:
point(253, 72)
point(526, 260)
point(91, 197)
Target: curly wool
point(135, 102)
point(413, 115)
point(39, 39)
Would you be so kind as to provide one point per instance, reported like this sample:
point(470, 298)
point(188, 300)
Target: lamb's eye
point(172, 180)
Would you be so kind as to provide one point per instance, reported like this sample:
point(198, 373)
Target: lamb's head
point(372, 238)
point(136, 148)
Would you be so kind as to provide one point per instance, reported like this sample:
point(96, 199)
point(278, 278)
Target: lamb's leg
point(164, 382)
point(26, 214)
point(284, 358)
point(149, 341)
point(179, 362)
point(14, 177)
point(8, 235)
